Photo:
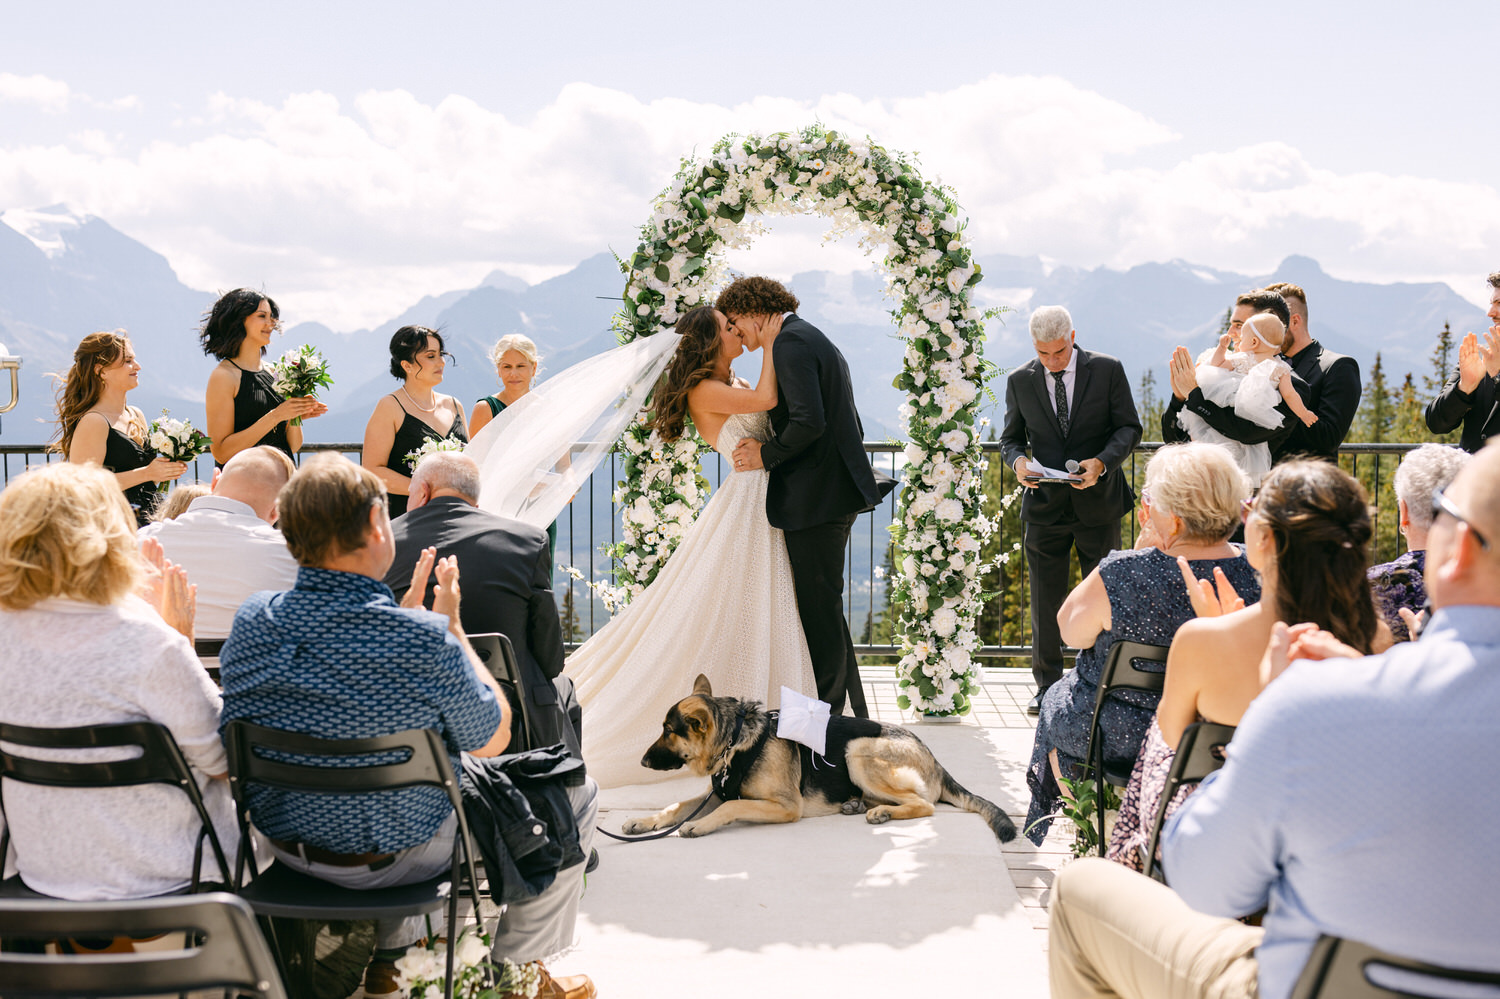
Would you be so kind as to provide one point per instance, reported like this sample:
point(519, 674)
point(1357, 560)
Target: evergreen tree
point(572, 627)
point(1151, 407)
point(1443, 365)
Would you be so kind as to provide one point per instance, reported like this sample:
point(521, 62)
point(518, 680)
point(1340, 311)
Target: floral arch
point(711, 206)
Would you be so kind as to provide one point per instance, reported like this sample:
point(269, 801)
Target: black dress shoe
point(1034, 706)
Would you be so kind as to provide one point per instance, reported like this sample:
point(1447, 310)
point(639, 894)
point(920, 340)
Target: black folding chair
point(283, 892)
point(1340, 969)
point(499, 657)
point(1120, 673)
point(207, 650)
point(225, 949)
point(160, 762)
point(1200, 752)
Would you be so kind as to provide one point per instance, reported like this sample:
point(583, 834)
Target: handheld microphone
point(1073, 467)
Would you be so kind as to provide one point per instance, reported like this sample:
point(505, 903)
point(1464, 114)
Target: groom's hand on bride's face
point(747, 454)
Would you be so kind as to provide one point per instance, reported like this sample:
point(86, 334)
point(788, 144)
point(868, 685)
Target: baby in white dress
point(1252, 381)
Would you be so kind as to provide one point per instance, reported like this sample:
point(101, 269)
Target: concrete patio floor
point(833, 905)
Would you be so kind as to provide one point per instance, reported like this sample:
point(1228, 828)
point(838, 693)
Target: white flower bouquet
point(433, 446)
point(300, 372)
point(175, 440)
point(419, 972)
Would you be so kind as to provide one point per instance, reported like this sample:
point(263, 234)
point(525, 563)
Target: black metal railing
point(584, 528)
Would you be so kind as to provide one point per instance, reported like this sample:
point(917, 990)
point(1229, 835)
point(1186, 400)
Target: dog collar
point(734, 767)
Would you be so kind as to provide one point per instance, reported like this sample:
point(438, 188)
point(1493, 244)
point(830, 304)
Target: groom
point(821, 478)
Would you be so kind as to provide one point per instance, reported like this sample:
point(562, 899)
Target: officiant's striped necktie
point(1062, 402)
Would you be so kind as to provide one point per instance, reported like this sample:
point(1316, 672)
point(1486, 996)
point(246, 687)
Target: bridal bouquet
point(175, 440)
point(432, 446)
point(419, 972)
point(300, 372)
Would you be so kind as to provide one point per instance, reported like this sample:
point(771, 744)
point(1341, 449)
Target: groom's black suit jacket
point(816, 456)
point(1103, 423)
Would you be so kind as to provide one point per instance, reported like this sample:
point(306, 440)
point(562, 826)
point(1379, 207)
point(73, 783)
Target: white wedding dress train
point(723, 605)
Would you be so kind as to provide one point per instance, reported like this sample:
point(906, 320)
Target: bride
point(723, 604)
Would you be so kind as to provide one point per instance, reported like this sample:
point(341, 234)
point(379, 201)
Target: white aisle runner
point(829, 906)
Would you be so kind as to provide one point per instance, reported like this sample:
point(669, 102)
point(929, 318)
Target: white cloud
point(47, 94)
point(348, 213)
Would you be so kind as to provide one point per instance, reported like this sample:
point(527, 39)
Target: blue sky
point(354, 156)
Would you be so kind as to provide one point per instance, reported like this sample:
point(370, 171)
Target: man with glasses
point(1336, 772)
point(1471, 395)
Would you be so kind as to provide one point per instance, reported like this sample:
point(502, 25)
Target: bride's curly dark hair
point(696, 358)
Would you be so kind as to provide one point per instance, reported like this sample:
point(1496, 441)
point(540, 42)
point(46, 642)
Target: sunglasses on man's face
point(1442, 504)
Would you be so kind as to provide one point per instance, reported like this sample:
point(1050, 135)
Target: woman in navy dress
point(413, 414)
point(1189, 507)
point(98, 425)
point(243, 407)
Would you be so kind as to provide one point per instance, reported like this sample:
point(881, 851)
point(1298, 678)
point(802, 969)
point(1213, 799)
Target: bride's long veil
point(537, 453)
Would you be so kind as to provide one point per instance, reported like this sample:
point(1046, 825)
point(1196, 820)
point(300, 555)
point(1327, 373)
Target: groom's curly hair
point(756, 296)
point(696, 358)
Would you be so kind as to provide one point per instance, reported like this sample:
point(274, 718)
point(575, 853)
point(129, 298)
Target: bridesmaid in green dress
point(516, 361)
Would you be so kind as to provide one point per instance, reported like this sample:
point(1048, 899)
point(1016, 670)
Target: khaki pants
point(1118, 933)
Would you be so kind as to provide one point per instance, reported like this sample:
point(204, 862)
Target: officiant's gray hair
point(1050, 323)
point(448, 470)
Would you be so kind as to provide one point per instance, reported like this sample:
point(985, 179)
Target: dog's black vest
point(827, 774)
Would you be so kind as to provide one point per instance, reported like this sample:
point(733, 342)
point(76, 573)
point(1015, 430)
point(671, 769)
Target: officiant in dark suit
point(1066, 405)
point(820, 476)
point(505, 576)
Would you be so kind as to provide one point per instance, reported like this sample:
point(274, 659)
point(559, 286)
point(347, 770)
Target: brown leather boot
point(570, 987)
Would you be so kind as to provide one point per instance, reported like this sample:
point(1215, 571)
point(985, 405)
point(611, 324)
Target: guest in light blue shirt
point(1357, 801)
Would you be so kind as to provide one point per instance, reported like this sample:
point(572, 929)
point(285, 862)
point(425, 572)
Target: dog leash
point(739, 723)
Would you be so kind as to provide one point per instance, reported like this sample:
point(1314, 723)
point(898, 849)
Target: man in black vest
point(507, 584)
point(1472, 395)
point(1332, 385)
point(1066, 405)
point(821, 479)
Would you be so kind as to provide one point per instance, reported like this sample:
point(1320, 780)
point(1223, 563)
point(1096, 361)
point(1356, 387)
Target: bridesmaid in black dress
point(244, 409)
point(412, 415)
point(98, 425)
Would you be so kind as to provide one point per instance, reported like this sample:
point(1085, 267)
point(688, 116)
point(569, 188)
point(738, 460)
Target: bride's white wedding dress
point(723, 605)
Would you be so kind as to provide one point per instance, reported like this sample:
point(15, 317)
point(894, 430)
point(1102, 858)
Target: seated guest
point(507, 584)
point(1306, 535)
point(372, 667)
point(177, 501)
point(1423, 473)
point(226, 540)
point(1302, 820)
point(1191, 504)
point(81, 648)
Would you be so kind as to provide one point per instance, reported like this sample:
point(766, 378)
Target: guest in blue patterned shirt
point(1336, 772)
point(337, 657)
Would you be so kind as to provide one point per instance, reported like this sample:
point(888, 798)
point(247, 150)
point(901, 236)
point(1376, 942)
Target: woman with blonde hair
point(97, 425)
point(516, 361)
point(1190, 506)
point(81, 648)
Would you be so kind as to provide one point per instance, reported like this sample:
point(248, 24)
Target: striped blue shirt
point(337, 657)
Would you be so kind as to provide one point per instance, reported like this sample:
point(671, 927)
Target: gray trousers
point(533, 930)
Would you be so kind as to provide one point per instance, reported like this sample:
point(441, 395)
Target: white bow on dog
point(803, 719)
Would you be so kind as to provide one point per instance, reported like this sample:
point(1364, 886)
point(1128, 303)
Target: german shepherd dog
point(882, 771)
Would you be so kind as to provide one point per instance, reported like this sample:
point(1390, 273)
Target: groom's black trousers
point(817, 555)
